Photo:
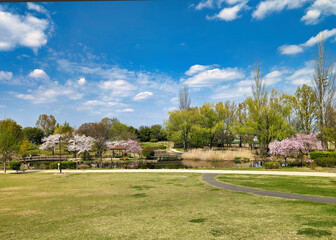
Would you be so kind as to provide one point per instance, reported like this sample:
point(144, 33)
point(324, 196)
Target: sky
point(82, 61)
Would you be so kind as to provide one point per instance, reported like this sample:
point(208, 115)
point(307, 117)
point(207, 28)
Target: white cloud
point(196, 69)
point(82, 81)
point(125, 110)
point(294, 49)
point(229, 13)
point(118, 88)
point(38, 74)
point(142, 95)
point(100, 103)
point(267, 7)
point(50, 93)
point(290, 49)
point(232, 92)
point(318, 10)
point(5, 77)
point(215, 3)
point(214, 76)
point(36, 7)
point(25, 31)
point(273, 77)
point(303, 75)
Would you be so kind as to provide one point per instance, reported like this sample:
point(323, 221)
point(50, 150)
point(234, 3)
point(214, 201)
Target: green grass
point(321, 186)
point(150, 206)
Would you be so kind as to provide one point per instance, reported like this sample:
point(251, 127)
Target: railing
point(42, 158)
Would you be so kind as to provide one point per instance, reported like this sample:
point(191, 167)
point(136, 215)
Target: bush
point(296, 164)
point(148, 152)
point(15, 165)
point(322, 154)
point(154, 140)
point(326, 162)
point(272, 165)
point(65, 165)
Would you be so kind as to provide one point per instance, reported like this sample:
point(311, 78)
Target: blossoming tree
point(80, 144)
point(50, 142)
point(301, 143)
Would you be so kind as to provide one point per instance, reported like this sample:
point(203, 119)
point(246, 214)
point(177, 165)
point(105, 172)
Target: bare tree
point(324, 84)
point(184, 98)
point(258, 86)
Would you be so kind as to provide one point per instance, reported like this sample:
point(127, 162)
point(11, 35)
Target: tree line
point(265, 116)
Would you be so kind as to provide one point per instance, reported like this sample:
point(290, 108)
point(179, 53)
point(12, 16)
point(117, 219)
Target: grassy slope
point(150, 206)
point(322, 186)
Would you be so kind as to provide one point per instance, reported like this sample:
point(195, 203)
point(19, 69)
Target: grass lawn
point(322, 186)
point(150, 206)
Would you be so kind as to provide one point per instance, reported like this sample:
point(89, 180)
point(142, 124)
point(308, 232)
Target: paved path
point(210, 178)
point(202, 171)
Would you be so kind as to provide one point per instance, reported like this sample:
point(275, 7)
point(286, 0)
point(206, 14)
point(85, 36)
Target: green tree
point(46, 123)
point(120, 131)
point(33, 134)
point(144, 133)
point(10, 139)
point(304, 105)
point(24, 147)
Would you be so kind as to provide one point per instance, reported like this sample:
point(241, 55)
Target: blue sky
point(83, 61)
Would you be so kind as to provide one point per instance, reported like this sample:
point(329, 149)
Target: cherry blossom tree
point(50, 142)
point(301, 143)
point(80, 144)
point(133, 146)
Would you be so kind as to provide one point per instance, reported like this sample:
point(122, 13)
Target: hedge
point(322, 154)
point(15, 165)
point(272, 165)
point(65, 165)
point(326, 162)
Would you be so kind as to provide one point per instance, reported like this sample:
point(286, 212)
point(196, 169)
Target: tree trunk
point(4, 166)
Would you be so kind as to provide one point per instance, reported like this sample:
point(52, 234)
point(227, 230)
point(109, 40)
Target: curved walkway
point(210, 178)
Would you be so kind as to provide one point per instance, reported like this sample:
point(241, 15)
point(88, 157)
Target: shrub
point(65, 165)
point(326, 162)
point(322, 154)
point(15, 165)
point(153, 140)
point(148, 152)
point(296, 164)
point(272, 165)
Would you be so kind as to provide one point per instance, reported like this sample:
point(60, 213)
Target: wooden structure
point(42, 158)
point(119, 149)
point(159, 155)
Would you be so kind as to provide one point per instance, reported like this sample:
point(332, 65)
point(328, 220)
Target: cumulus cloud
point(5, 77)
point(273, 77)
point(50, 94)
point(212, 76)
point(142, 95)
point(229, 13)
point(37, 8)
point(318, 10)
point(125, 110)
point(100, 103)
point(267, 7)
point(38, 74)
point(82, 81)
point(22, 30)
point(294, 49)
point(118, 88)
point(303, 75)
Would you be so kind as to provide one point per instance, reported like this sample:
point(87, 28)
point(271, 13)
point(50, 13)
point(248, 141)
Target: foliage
point(24, 147)
point(10, 139)
point(272, 165)
point(301, 143)
point(65, 165)
point(120, 131)
point(153, 140)
point(80, 144)
point(148, 152)
point(46, 123)
point(326, 161)
point(15, 165)
point(50, 142)
point(33, 134)
point(322, 154)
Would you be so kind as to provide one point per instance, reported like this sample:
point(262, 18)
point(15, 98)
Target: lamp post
point(60, 155)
